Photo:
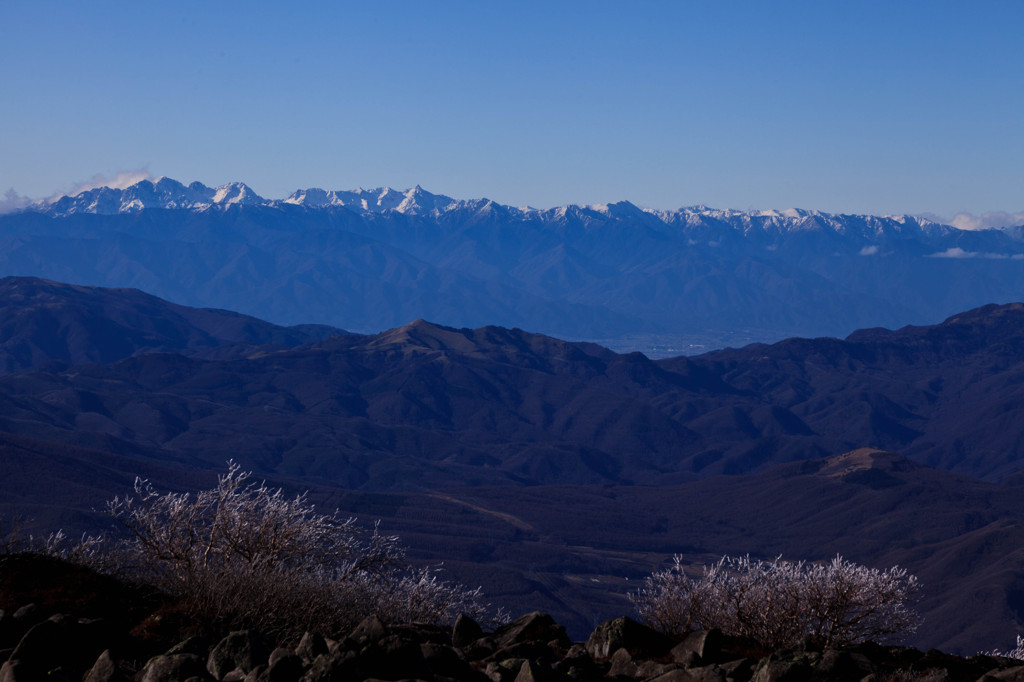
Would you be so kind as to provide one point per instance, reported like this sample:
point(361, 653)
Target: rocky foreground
point(73, 625)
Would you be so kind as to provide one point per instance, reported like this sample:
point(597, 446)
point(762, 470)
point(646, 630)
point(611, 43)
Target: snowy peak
point(415, 201)
point(622, 210)
point(314, 197)
point(236, 193)
point(164, 193)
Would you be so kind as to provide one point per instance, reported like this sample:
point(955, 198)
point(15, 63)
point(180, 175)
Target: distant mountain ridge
point(425, 405)
point(168, 193)
point(696, 221)
point(369, 260)
point(44, 322)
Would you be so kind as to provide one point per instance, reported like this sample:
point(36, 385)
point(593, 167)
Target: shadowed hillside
point(43, 321)
point(431, 406)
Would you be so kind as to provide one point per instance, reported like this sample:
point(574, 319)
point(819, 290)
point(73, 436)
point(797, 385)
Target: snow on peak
point(236, 193)
point(790, 213)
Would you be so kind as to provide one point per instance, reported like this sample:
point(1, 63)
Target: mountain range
point(664, 282)
point(425, 405)
point(553, 473)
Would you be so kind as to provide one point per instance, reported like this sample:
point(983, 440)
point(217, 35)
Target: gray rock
point(15, 671)
point(310, 646)
point(504, 671)
point(104, 669)
point(338, 666)
point(371, 629)
point(257, 674)
point(193, 645)
point(842, 666)
point(284, 666)
point(530, 650)
point(622, 664)
point(699, 648)
point(1015, 674)
point(739, 669)
point(61, 641)
point(30, 613)
point(772, 670)
point(242, 649)
point(481, 649)
point(626, 633)
point(174, 668)
point(533, 627)
point(444, 661)
point(465, 631)
point(532, 671)
point(708, 673)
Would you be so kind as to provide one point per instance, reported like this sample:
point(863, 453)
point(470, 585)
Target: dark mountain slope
point(428, 406)
point(43, 321)
point(52, 486)
point(949, 394)
point(419, 406)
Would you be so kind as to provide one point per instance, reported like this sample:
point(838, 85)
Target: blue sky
point(859, 107)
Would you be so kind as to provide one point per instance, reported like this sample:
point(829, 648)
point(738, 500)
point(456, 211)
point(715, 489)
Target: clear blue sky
point(867, 107)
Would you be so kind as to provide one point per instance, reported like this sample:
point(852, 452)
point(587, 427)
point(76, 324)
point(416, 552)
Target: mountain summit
point(412, 201)
point(164, 193)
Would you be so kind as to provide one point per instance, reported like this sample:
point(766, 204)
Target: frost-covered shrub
point(780, 603)
point(244, 555)
point(87, 550)
point(1017, 653)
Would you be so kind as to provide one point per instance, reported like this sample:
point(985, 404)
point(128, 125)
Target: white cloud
point(13, 201)
point(955, 252)
point(985, 221)
point(869, 250)
point(120, 181)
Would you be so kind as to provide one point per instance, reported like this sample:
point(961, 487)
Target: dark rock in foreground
point(36, 645)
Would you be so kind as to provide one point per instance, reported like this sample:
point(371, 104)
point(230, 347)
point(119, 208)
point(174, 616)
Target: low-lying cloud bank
point(985, 221)
point(957, 252)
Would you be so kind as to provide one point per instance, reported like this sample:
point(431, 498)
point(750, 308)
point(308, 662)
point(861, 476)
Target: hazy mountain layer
point(375, 259)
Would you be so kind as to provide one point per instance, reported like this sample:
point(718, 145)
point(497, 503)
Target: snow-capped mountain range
point(166, 193)
point(366, 260)
point(700, 224)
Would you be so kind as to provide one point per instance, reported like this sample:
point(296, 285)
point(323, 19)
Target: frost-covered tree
point(243, 554)
point(780, 603)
